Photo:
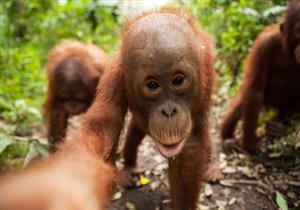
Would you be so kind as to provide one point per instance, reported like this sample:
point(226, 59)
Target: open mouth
point(171, 150)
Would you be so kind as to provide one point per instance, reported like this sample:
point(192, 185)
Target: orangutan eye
point(152, 85)
point(178, 80)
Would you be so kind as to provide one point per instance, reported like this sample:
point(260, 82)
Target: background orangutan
point(272, 78)
point(164, 75)
point(73, 70)
point(72, 178)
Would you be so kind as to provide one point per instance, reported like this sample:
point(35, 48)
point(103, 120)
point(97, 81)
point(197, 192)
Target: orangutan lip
point(172, 150)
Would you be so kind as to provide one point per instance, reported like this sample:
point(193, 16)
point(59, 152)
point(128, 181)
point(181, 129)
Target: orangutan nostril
point(169, 111)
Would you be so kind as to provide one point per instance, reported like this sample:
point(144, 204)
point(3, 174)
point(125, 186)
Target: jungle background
point(30, 28)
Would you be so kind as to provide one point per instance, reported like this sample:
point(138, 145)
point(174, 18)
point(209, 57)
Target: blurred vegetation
point(30, 28)
point(235, 25)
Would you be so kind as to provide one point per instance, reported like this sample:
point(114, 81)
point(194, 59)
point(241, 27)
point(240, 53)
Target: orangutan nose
point(169, 110)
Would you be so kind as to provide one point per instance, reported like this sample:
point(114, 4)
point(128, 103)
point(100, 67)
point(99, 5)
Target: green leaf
point(130, 206)
point(13, 155)
point(5, 105)
point(281, 202)
point(36, 149)
point(17, 149)
point(5, 141)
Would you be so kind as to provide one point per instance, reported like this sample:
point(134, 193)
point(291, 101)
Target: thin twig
point(249, 182)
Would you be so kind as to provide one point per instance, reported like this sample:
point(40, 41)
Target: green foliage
point(5, 142)
point(17, 152)
point(36, 150)
point(20, 115)
point(30, 28)
point(12, 152)
point(235, 25)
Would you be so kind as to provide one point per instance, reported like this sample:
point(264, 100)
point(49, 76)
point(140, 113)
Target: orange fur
point(70, 179)
point(271, 79)
point(79, 164)
point(91, 63)
point(104, 120)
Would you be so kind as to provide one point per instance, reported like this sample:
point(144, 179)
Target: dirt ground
point(250, 182)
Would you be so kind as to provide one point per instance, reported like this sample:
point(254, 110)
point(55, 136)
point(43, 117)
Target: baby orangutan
point(272, 78)
point(73, 70)
point(164, 74)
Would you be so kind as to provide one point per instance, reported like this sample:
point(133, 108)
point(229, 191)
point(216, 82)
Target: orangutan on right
point(271, 79)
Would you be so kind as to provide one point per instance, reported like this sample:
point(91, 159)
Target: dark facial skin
point(74, 87)
point(75, 102)
point(164, 93)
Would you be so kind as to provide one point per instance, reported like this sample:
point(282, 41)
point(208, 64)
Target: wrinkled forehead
point(158, 41)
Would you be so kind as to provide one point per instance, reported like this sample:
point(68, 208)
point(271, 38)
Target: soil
point(250, 182)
